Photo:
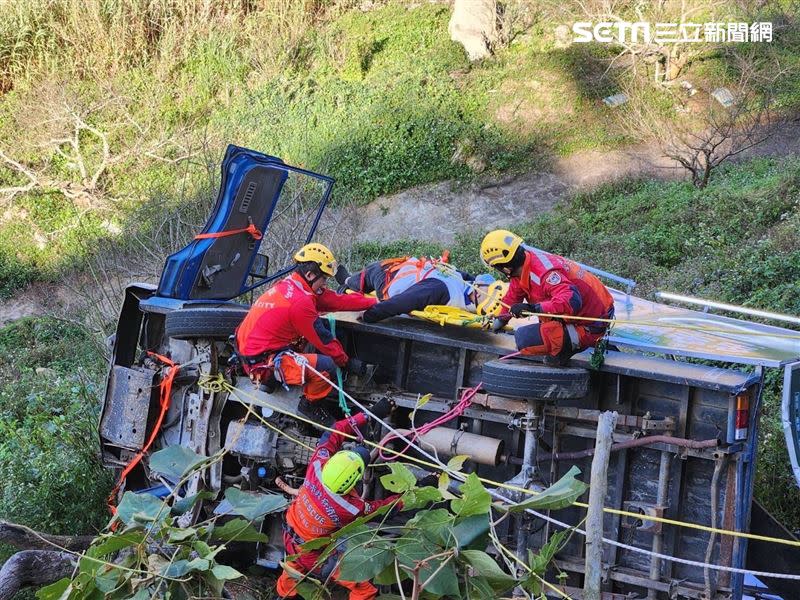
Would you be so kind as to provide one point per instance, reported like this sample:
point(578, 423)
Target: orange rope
point(251, 229)
point(165, 394)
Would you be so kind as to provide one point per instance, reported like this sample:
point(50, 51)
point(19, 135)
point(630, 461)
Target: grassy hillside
point(381, 99)
point(736, 241)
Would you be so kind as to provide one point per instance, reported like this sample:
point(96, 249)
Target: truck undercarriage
point(684, 444)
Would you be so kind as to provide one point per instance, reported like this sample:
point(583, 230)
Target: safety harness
point(391, 266)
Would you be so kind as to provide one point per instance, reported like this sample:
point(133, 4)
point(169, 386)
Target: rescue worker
point(406, 284)
point(326, 502)
point(541, 282)
point(271, 340)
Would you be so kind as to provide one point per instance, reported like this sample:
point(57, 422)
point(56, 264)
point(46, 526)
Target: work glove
point(498, 323)
point(341, 275)
point(521, 307)
point(356, 366)
point(383, 407)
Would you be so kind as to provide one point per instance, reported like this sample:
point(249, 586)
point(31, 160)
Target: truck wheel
point(203, 323)
point(519, 378)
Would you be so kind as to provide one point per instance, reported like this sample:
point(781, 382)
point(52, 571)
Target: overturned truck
point(684, 445)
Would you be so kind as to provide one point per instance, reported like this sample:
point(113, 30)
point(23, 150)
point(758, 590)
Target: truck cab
point(687, 386)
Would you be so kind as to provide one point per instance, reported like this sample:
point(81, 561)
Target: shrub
point(49, 464)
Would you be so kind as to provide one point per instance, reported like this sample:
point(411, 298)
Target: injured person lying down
point(408, 283)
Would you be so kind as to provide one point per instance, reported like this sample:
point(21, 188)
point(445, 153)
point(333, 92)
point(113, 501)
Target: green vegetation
point(381, 100)
point(49, 402)
point(735, 241)
point(448, 558)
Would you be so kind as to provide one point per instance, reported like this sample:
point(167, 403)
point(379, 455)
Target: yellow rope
point(645, 322)
point(741, 534)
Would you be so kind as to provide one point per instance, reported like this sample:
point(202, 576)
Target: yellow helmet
point(343, 471)
point(498, 247)
point(491, 301)
point(319, 254)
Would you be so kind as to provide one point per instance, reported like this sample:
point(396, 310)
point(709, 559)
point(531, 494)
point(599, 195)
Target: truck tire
point(203, 323)
point(519, 378)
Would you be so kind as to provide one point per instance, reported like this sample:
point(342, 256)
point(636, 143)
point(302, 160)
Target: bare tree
point(62, 147)
point(651, 51)
point(703, 131)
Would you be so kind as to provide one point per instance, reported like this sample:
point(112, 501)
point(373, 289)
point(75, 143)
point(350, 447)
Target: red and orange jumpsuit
point(318, 512)
point(285, 317)
point(560, 287)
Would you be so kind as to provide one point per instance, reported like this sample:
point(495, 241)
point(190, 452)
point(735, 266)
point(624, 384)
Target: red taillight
point(742, 416)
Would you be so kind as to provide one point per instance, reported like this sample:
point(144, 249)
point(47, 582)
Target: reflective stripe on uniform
point(335, 497)
point(573, 336)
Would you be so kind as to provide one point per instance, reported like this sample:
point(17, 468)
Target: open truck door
point(258, 195)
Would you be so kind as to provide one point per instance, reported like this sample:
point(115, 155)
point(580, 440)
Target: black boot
point(315, 411)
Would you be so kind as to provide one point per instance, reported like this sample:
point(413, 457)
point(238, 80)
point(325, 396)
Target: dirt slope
point(438, 211)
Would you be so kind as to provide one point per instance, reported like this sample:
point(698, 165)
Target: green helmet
point(343, 471)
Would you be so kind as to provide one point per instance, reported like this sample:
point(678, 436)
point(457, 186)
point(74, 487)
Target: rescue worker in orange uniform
point(271, 340)
point(541, 282)
point(326, 502)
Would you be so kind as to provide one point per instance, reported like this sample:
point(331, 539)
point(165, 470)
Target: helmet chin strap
point(311, 281)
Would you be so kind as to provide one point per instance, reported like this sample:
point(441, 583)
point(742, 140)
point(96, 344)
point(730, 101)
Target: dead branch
point(11, 192)
point(25, 538)
point(34, 568)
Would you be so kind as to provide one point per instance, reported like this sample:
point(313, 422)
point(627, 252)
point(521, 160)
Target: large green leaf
point(253, 505)
point(365, 557)
point(175, 461)
point(114, 542)
point(478, 587)
point(389, 576)
point(179, 568)
point(53, 591)
point(238, 530)
point(316, 543)
point(137, 509)
point(144, 593)
point(412, 550)
point(434, 524)
point(184, 505)
point(540, 561)
point(420, 497)
point(400, 479)
point(457, 462)
point(176, 534)
point(214, 583)
point(225, 572)
point(485, 566)
point(475, 500)
point(107, 579)
point(561, 494)
point(470, 530)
